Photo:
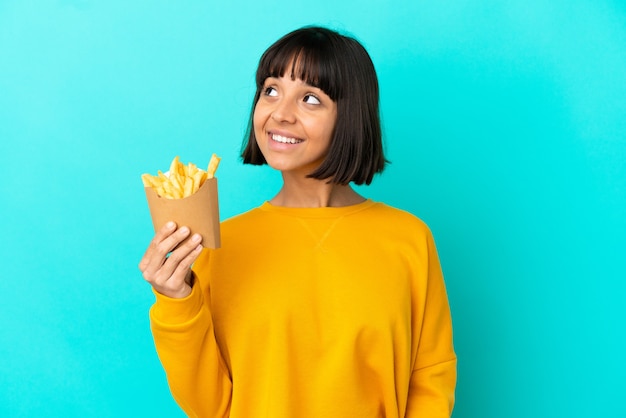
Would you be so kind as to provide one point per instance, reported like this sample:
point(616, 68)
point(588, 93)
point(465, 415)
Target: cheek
point(257, 126)
point(331, 122)
point(330, 130)
point(259, 117)
point(256, 117)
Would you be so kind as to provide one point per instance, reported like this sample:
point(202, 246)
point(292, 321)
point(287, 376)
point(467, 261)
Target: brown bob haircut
point(341, 67)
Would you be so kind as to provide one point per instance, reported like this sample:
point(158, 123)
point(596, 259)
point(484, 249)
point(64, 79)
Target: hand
point(166, 265)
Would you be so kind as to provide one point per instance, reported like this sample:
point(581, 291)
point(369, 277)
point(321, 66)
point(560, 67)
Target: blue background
point(505, 122)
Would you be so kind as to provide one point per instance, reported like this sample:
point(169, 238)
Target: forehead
point(307, 65)
point(291, 80)
point(297, 66)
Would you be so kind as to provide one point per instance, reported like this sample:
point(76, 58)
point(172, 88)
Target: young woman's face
point(293, 124)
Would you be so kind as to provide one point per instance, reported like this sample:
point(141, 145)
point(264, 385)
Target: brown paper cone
point(199, 212)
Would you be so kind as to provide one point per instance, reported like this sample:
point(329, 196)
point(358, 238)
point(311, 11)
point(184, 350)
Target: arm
point(184, 340)
point(182, 326)
point(433, 380)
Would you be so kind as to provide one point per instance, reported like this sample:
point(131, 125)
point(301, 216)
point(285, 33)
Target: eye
point(311, 99)
point(270, 91)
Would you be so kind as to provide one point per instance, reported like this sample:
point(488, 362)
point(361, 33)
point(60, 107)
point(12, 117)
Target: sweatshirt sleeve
point(186, 346)
point(433, 380)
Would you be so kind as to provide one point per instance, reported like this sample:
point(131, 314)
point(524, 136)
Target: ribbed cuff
point(172, 311)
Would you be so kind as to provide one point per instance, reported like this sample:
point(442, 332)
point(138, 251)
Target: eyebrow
point(299, 79)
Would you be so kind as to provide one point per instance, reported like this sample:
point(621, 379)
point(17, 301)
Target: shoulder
point(252, 219)
point(402, 226)
point(390, 215)
point(246, 216)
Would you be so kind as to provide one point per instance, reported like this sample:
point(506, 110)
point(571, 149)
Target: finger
point(160, 251)
point(165, 231)
point(181, 273)
point(176, 285)
point(178, 256)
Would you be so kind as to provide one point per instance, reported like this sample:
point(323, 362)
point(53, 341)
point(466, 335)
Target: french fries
point(181, 180)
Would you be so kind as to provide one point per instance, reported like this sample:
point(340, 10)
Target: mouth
point(285, 139)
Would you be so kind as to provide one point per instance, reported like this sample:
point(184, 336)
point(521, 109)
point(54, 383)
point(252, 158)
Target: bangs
point(341, 67)
point(308, 58)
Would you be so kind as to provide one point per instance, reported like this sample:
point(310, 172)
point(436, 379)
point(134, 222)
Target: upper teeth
point(285, 140)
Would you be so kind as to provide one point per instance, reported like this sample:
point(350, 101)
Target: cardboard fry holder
point(199, 212)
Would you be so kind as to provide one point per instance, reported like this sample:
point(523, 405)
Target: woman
point(320, 303)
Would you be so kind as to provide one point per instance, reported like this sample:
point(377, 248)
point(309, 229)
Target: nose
point(284, 112)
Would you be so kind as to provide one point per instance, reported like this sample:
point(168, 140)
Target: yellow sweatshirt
point(325, 312)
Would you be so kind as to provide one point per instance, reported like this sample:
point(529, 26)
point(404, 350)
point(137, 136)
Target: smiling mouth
point(285, 140)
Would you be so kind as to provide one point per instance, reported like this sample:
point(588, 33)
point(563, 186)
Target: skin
point(295, 109)
point(288, 108)
point(171, 275)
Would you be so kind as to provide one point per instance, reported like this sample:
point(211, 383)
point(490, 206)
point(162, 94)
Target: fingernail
point(170, 225)
point(184, 230)
point(196, 238)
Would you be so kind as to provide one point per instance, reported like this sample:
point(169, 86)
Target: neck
point(311, 193)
